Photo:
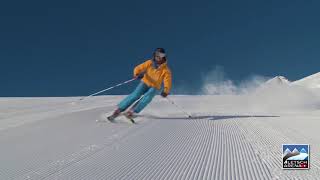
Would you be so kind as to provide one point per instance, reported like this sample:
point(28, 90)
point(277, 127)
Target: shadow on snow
point(208, 117)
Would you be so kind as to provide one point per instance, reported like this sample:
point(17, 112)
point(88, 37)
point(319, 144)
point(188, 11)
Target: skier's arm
point(167, 81)
point(141, 68)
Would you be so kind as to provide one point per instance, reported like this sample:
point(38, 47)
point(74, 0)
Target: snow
point(278, 80)
point(312, 81)
point(230, 137)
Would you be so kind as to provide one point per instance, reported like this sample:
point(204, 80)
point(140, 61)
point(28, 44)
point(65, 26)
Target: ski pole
point(179, 107)
point(120, 84)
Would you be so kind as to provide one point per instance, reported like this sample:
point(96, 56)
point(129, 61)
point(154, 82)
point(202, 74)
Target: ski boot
point(115, 114)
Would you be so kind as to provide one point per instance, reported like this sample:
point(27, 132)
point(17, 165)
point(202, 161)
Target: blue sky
point(74, 48)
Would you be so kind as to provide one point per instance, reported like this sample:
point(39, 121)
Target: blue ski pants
point(141, 89)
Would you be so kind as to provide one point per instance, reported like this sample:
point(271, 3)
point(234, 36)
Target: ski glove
point(164, 94)
point(139, 76)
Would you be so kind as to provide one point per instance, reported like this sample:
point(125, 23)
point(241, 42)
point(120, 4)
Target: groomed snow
point(230, 137)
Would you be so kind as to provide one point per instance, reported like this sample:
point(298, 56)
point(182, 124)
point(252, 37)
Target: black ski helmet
point(160, 51)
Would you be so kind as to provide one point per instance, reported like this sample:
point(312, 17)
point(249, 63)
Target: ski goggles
point(160, 54)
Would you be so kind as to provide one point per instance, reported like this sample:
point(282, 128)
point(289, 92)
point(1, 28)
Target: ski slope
point(230, 137)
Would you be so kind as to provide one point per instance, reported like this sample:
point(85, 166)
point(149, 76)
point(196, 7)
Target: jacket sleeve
point(167, 81)
point(141, 68)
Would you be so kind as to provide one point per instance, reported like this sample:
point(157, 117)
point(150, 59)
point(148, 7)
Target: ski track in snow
point(69, 144)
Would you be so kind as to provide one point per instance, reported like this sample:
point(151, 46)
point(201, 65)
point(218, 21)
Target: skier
point(152, 73)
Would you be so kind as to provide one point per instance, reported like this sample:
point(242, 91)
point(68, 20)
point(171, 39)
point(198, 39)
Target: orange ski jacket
point(154, 75)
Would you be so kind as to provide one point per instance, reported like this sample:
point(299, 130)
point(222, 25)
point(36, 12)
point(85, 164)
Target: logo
point(295, 156)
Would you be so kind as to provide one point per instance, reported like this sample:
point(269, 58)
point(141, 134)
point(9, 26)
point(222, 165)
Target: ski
point(131, 119)
point(112, 118)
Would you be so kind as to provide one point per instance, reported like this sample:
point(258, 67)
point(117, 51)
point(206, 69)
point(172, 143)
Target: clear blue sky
point(71, 48)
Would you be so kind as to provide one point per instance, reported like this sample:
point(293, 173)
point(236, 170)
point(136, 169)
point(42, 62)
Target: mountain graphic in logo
point(289, 154)
point(303, 150)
